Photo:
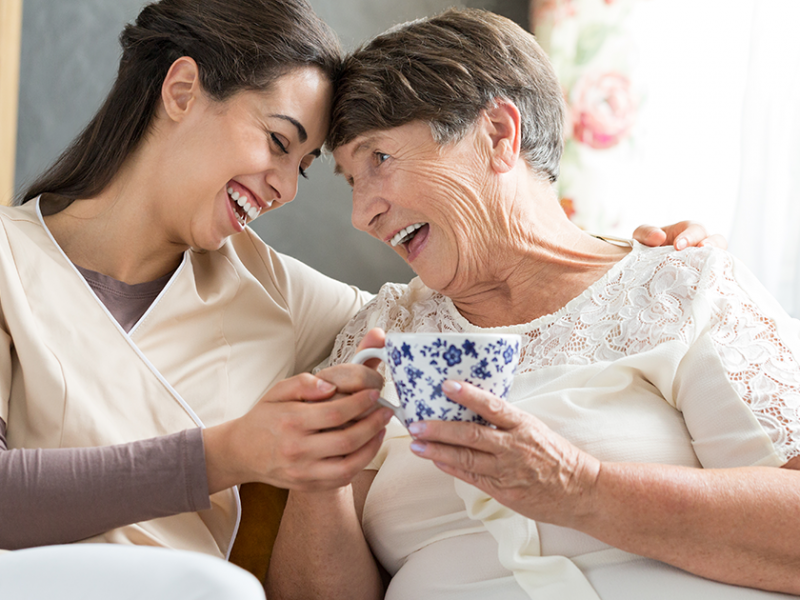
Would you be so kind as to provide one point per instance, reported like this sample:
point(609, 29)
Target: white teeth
point(241, 201)
point(251, 210)
point(402, 236)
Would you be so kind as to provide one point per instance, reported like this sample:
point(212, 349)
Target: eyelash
point(278, 143)
point(283, 149)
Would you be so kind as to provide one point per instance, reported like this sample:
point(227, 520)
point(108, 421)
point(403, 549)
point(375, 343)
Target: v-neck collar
point(102, 305)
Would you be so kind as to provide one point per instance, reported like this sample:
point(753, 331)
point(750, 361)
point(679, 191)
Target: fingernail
point(451, 386)
point(418, 447)
point(681, 243)
point(325, 386)
point(416, 428)
point(381, 435)
point(374, 395)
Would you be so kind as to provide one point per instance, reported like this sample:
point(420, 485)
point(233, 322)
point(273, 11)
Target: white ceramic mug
point(420, 362)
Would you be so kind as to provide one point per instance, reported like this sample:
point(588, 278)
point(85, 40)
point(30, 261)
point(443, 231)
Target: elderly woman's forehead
point(415, 131)
point(352, 149)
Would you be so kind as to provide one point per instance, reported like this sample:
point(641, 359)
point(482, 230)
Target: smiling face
point(425, 200)
point(234, 160)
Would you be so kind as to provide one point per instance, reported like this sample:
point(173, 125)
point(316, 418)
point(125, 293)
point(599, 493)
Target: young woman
point(152, 346)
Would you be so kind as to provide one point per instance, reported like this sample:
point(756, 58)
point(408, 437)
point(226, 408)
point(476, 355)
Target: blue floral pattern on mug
point(452, 356)
point(419, 364)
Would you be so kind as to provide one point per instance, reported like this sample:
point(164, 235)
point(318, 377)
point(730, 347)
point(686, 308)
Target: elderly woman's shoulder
point(395, 305)
point(405, 294)
point(696, 256)
point(700, 265)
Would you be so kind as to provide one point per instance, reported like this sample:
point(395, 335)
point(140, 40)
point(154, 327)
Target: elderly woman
point(651, 443)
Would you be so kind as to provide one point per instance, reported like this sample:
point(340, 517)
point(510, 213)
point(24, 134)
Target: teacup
point(420, 362)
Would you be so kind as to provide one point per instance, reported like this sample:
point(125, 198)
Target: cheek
point(458, 203)
point(254, 153)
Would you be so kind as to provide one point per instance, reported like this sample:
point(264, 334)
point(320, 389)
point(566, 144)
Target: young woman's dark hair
point(237, 44)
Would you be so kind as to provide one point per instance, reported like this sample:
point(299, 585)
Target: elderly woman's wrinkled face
point(427, 201)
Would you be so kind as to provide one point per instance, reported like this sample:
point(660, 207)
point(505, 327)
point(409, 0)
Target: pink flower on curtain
point(603, 109)
point(593, 52)
point(552, 10)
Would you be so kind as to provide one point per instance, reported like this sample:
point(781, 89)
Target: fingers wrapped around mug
point(520, 461)
point(303, 434)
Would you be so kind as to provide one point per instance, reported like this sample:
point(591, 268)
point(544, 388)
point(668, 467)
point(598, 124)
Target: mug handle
point(380, 353)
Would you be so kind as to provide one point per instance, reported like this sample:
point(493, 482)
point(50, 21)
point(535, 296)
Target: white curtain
point(766, 227)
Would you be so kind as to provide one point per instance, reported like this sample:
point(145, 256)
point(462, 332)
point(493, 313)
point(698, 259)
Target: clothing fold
point(519, 551)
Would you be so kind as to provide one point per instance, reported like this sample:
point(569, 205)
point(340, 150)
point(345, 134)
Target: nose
point(368, 207)
point(283, 184)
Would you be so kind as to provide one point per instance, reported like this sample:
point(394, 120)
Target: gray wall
point(68, 62)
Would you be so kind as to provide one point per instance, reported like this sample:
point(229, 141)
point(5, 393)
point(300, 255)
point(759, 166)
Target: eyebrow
point(301, 131)
point(364, 145)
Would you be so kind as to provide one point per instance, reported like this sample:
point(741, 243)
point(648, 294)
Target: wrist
point(323, 502)
point(221, 466)
point(586, 499)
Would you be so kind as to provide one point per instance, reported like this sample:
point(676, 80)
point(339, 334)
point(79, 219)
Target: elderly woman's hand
point(522, 463)
point(681, 235)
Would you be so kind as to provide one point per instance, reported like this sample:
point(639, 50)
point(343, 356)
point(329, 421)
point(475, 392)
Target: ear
point(502, 128)
point(181, 88)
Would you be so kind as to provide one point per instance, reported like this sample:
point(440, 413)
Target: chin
point(435, 281)
point(211, 243)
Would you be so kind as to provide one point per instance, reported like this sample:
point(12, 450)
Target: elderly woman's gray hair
point(443, 71)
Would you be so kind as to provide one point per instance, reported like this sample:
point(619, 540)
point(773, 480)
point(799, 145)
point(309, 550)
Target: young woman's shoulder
point(24, 213)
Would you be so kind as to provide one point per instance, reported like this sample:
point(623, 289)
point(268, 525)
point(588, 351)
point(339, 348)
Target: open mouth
point(406, 235)
point(243, 208)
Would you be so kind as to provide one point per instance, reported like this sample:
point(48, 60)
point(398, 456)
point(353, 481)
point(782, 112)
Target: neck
point(117, 233)
point(544, 262)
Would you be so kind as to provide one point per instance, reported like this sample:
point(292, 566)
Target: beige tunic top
point(227, 326)
point(672, 357)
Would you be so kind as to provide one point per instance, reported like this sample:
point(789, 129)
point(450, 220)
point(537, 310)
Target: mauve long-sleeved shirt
point(59, 495)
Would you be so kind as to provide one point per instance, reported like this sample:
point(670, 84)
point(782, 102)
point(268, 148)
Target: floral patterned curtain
point(591, 51)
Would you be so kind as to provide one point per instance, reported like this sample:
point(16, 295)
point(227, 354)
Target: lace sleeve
point(387, 311)
point(755, 352)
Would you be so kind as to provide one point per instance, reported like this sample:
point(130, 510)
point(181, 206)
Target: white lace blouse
point(671, 357)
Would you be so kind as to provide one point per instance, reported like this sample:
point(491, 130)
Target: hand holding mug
point(520, 461)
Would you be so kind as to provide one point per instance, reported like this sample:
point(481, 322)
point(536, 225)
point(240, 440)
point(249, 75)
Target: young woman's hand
point(681, 235)
point(307, 433)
